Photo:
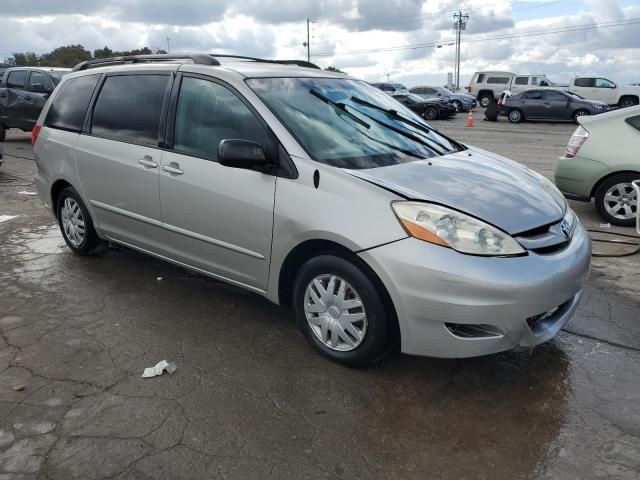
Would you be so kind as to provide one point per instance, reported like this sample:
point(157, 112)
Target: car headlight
point(449, 228)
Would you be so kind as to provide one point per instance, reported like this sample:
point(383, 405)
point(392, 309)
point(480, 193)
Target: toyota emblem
point(566, 228)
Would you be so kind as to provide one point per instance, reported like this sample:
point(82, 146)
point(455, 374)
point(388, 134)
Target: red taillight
point(468, 87)
point(34, 134)
point(575, 142)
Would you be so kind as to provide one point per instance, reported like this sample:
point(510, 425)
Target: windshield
point(333, 123)
point(443, 91)
point(399, 86)
point(56, 76)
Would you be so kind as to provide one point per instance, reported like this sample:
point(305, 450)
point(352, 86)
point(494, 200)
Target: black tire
point(602, 204)
point(484, 100)
point(376, 340)
point(457, 104)
point(515, 115)
point(90, 240)
point(580, 113)
point(3, 133)
point(431, 113)
point(628, 102)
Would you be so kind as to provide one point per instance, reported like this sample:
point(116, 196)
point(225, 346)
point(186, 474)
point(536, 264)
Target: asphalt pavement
point(251, 400)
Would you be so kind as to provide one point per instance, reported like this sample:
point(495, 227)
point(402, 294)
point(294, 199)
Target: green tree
point(105, 52)
point(334, 69)
point(66, 56)
point(26, 59)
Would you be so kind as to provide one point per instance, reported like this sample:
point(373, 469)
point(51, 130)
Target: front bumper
point(432, 286)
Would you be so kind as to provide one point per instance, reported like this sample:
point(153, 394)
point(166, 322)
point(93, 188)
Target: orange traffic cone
point(470, 120)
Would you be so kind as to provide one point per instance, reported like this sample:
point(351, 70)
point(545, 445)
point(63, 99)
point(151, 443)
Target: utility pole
point(168, 45)
point(308, 43)
point(459, 24)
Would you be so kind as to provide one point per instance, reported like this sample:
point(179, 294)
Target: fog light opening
point(474, 330)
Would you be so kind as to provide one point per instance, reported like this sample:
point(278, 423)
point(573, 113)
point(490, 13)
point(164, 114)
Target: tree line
point(70, 55)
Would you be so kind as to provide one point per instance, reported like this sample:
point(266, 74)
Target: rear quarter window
point(69, 105)
point(634, 122)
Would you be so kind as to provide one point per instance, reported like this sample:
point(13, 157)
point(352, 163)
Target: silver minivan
point(315, 190)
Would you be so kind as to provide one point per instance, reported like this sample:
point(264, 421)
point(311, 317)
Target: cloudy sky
point(410, 40)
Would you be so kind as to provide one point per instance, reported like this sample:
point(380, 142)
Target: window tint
point(498, 80)
point(69, 105)
point(128, 108)
point(584, 82)
point(430, 91)
point(16, 79)
point(634, 122)
point(418, 90)
point(208, 113)
point(522, 80)
point(480, 78)
point(535, 95)
point(555, 97)
point(39, 78)
point(604, 83)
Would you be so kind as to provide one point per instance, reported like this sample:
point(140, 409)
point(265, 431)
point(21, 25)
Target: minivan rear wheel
point(617, 201)
point(75, 223)
point(340, 311)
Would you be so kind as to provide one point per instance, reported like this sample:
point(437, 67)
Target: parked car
point(604, 90)
point(380, 230)
point(460, 101)
point(23, 93)
point(391, 87)
point(548, 104)
point(592, 168)
point(486, 86)
point(429, 108)
point(3, 68)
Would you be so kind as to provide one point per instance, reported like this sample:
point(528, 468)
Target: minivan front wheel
point(75, 223)
point(340, 311)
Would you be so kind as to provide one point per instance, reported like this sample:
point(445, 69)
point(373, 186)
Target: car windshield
point(413, 97)
point(399, 86)
point(56, 76)
point(443, 91)
point(348, 123)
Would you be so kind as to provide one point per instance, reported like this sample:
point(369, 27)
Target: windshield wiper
point(340, 108)
point(396, 116)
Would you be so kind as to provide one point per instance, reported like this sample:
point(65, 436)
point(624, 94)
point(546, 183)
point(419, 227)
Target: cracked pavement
point(251, 399)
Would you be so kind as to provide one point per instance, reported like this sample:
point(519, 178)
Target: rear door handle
point(147, 161)
point(174, 168)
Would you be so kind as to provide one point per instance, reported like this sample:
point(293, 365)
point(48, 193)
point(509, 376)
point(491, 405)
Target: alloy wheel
point(621, 201)
point(458, 105)
point(515, 116)
point(72, 222)
point(335, 312)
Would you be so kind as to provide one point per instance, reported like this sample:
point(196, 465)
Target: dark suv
point(23, 93)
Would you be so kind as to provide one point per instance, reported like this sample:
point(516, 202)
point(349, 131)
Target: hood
point(484, 185)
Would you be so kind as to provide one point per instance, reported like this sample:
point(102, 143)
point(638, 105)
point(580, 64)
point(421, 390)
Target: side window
point(69, 106)
point(16, 79)
point(480, 78)
point(38, 82)
point(604, 83)
point(498, 80)
point(208, 113)
point(535, 95)
point(584, 82)
point(634, 122)
point(555, 97)
point(521, 80)
point(418, 90)
point(430, 91)
point(128, 108)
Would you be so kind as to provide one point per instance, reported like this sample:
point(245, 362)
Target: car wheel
point(75, 223)
point(340, 311)
point(484, 100)
point(457, 104)
point(628, 102)
point(515, 116)
point(431, 113)
point(3, 133)
point(617, 201)
point(579, 113)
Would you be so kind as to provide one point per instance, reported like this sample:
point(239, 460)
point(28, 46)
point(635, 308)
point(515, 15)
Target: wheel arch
point(56, 189)
point(484, 92)
point(596, 186)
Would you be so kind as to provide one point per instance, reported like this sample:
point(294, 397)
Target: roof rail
point(200, 58)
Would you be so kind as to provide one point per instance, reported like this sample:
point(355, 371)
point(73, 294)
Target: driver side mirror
point(243, 154)
point(40, 88)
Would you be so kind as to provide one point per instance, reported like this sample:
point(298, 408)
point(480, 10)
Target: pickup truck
point(487, 86)
point(598, 88)
point(23, 93)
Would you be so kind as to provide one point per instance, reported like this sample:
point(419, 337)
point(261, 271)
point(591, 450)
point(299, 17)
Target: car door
point(556, 105)
point(216, 218)
point(15, 102)
point(518, 84)
point(118, 158)
point(531, 104)
point(586, 88)
point(606, 91)
point(39, 89)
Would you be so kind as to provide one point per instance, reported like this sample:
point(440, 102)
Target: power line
point(575, 28)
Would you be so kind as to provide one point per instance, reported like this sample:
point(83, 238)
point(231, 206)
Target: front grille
point(550, 238)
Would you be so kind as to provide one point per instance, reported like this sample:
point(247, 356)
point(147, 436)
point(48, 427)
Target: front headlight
point(449, 228)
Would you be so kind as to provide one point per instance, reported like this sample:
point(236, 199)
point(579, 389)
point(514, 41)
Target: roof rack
point(198, 58)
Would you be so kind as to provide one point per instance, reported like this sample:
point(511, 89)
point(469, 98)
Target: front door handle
point(27, 97)
point(147, 161)
point(174, 168)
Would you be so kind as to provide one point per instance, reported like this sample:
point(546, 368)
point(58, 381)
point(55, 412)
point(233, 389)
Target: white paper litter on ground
point(4, 218)
point(24, 192)
point(605, 225)
point(159, 368)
